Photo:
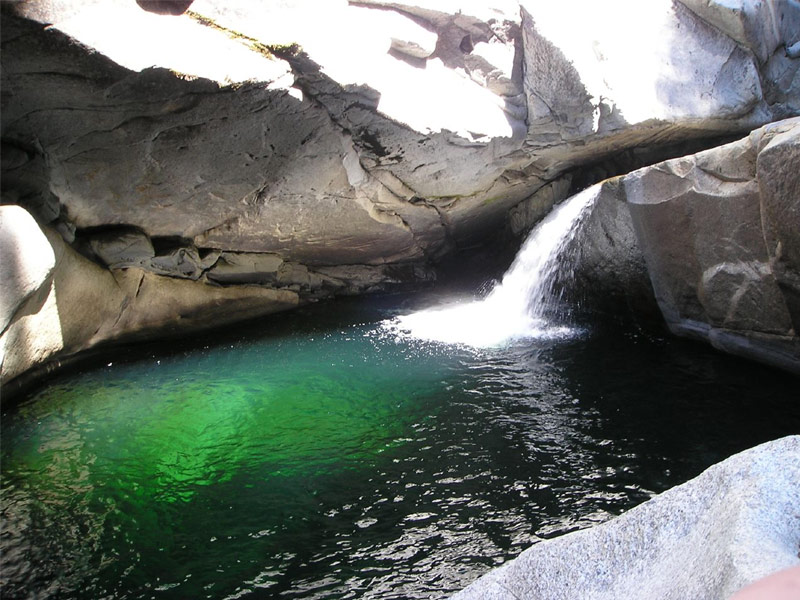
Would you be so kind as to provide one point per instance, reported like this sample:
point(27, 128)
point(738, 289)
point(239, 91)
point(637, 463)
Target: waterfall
point(517, 307)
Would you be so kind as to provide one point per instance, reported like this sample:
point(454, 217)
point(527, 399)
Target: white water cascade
point(514, 309)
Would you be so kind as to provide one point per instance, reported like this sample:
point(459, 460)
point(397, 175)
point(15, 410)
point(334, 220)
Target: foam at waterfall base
point(519, 306)
point(476, 324)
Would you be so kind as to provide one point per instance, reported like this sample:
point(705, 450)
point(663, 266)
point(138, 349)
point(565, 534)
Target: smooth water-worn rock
point(608, 267)
point(719, 234)
point(734, 524)
point(73, 304)
point(27, 260)
point(709, 241)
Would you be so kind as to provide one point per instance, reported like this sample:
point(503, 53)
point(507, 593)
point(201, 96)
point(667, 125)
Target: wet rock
point(734, 524)
point(609, 269)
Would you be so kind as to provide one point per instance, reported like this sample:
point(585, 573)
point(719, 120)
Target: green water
point(319, 455)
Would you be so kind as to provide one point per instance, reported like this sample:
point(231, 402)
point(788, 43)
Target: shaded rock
point(530, 211)
point(782, 83)
point(165, 7)
point(244, 267)
point(184, 262)
point(609, 269)
point(26, 260)
point(735, 523)
point(778, 173)
point(26, 181)
point(122, 248)
point(164, 304)
point(702, 222)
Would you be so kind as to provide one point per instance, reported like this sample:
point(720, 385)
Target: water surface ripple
point(333, 458)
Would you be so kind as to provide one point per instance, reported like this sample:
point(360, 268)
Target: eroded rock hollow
point(166, 172)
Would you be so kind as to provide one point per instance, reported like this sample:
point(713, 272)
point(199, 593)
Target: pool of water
point(322, 455)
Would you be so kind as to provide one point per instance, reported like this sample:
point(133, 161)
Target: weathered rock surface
point(719, 232)
point(73, 304)
point(357, 143)
point(368, 168)
point(734, 524)
point(711, 239)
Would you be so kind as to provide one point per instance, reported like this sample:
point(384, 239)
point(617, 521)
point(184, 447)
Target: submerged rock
point(734, 524)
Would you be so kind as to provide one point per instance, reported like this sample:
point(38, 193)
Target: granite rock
point(734, 524)
point(359, 143)
point(719, 236)
point(27, 260)
point(77, 304)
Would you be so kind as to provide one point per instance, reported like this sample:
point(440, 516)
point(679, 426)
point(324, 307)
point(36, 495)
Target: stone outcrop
point(719, 234)
point(716, 236)
point(342, 147)
point(609, 270)
point(27, 260)
point(63, 303)
point(734, 524)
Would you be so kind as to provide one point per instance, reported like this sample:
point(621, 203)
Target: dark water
point(323, 457)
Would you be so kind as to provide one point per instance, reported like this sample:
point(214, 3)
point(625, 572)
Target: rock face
point(27, 263)
point(732, 525)
point(342, 147)
point(65, 303)
point(719, 232)
point(713, 238)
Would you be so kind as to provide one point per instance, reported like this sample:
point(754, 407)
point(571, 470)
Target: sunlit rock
point(26, 260)
point(77, 304)
point(732, 525)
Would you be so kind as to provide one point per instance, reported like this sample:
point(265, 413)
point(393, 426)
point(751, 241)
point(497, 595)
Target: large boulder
point(607, 269)
point(719, 234)
point(27, 260)
point(709, 241)
point(734, 524)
